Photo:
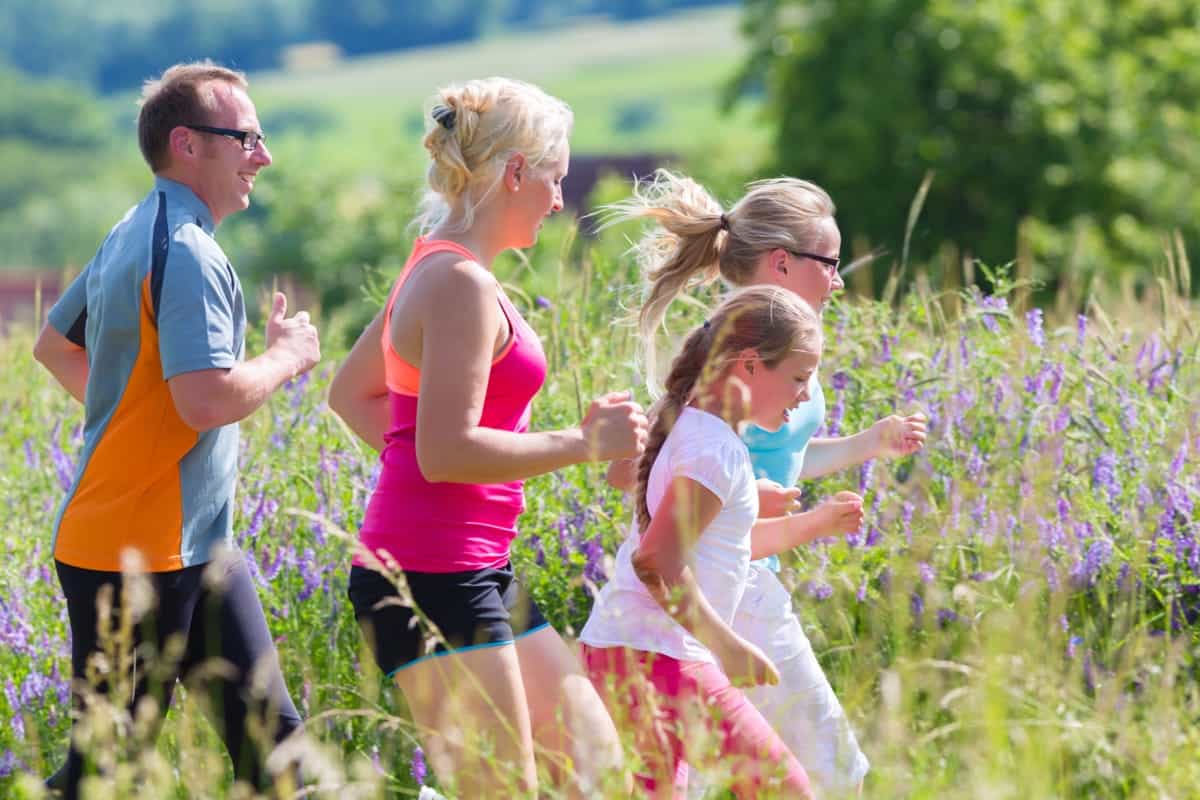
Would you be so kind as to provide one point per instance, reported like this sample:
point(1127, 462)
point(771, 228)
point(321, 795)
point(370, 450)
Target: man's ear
point(181, 142)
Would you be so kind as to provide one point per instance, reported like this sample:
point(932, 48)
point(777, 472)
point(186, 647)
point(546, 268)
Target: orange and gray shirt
point(159, 298)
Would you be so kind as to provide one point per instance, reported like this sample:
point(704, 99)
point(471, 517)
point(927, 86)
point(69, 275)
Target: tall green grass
point(1017, 619)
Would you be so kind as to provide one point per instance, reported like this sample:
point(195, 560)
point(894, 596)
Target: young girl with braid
point(780, 233)
point(658, 644)
point(441, 384)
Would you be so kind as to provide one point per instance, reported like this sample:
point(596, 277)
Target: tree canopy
point(1074, 119)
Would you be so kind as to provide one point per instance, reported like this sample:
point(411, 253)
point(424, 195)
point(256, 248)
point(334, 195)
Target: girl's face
point(775, 391)
point(812, 280)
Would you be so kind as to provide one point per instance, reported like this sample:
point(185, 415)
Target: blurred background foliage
point(1059, 135)
point(1067, 127)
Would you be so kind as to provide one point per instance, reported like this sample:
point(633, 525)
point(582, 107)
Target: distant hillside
point(648, 85)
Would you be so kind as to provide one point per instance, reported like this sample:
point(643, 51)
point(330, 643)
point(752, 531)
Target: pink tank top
point(449, 527)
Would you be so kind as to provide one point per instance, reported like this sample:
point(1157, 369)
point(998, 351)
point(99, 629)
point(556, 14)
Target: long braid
point(685, 372)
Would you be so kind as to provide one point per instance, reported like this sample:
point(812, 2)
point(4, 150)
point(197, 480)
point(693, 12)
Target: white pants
point(802, 707)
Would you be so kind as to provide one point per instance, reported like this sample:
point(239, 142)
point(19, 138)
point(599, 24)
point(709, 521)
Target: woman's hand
point(614, 427)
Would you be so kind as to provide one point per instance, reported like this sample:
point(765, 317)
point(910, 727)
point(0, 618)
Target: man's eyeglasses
point(249, 139)
point(830, 263)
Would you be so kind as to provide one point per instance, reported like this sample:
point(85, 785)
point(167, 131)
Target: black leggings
point(215, 616)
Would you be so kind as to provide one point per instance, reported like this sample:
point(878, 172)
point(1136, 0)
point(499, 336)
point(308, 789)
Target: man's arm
point(210, 398)
point(61, 344)
point(65, 360)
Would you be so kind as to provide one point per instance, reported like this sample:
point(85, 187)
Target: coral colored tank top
point(449, 527)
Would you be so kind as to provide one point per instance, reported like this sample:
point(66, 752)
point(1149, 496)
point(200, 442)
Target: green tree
point(1074, 120)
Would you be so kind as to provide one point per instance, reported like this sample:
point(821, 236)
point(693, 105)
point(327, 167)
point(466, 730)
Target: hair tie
point(707, 324)
point(445, 116)
point(724, 222)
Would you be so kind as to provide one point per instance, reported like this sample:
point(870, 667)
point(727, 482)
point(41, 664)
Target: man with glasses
point(150, 337)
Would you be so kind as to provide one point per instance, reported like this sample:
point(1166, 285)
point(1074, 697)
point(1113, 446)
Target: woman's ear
point(779, 260)
point(514, 169)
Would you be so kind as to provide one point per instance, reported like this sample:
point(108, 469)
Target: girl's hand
point(614, 427)
point(776, 501)
point(622, 474)
point(842, 513)
point(897, 436)
point(745, 664)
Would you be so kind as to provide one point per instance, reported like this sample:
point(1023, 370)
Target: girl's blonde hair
point(769, 320)
point(475, 128)
point(696, 240)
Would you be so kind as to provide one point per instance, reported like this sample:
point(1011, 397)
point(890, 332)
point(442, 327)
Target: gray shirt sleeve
point(68, 316)
point(196, 310)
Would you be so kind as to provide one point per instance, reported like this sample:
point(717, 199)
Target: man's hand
point(294, 338)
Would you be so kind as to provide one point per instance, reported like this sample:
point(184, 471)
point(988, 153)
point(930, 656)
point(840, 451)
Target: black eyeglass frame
point(249, 139)
point(826, 260)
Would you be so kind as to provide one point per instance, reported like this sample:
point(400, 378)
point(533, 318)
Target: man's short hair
point(183, 95)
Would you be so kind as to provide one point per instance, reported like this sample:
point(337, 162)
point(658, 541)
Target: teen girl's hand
point(842, 513)
point(776, 501)
point(745, 664)
point(614, 427)
point(897, 436)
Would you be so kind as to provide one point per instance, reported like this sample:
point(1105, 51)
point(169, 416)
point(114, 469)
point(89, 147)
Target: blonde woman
point(782, 232)
point(441, 384)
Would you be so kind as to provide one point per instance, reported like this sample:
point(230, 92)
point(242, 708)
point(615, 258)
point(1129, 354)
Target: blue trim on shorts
point(457, 650)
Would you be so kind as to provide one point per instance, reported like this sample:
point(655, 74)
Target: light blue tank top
point(779, 455)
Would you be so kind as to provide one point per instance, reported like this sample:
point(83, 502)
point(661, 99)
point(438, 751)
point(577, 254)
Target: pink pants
point(662, 698)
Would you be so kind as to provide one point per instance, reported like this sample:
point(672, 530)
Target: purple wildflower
point(947, 617)
point(542, 302)
point(1178, 461)
point(989, 307)
point(834, 424)
point(593, 568)
point(417, 766)
point(1033, 322)
point(376, 761)
point(865, 472)
point(819, 590)
point(926, 572)
point(64, 468)
point(1104, 475)
point(1080, 329)
point(885, 347)
point(310, 572)
point(1072, 644)
point(8, 764)
point(1098, 554)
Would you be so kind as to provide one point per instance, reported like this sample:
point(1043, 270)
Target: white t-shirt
point(705, 449)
